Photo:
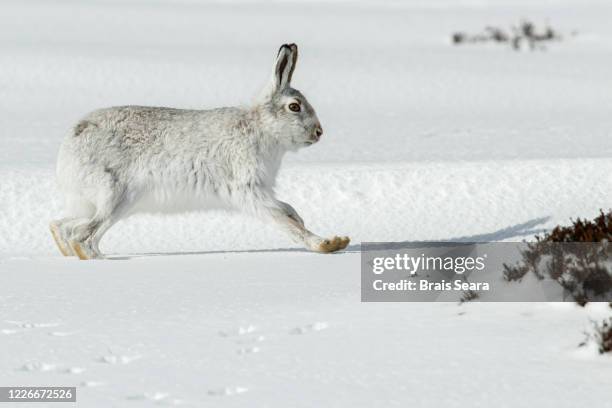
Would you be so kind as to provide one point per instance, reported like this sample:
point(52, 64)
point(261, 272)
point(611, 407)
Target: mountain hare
point(123, 160)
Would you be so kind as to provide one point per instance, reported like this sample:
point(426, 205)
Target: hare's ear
point(284, 66)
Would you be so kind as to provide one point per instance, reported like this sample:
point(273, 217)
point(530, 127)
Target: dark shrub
point(601, 335)
point(582, 270)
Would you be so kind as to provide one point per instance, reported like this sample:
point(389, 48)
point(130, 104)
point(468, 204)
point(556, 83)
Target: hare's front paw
point(84, 251)
point(332, 245)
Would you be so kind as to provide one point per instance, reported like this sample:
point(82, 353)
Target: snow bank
point(507, 200)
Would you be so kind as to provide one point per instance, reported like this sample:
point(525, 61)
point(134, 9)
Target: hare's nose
point(318, 132)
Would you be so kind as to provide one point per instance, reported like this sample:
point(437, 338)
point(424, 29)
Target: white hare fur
point(123, 160)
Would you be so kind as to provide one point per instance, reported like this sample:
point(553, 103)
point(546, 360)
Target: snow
point(230, 325)
point(423, 141)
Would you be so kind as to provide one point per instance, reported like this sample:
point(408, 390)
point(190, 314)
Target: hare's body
point(123, 160)
point(168, 160)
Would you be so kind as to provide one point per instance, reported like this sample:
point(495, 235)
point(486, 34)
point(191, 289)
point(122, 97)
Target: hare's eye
point(294, 107)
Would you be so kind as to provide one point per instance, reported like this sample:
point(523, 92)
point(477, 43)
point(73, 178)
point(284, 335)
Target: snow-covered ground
point(423, 141)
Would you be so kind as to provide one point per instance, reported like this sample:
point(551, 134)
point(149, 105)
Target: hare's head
point(286, 112)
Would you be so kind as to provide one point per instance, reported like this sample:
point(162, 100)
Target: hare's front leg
point(288, 219)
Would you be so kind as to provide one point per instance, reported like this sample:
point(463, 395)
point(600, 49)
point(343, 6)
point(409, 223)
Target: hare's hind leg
point(57, 228)
point(61, 230)
point(86, 235)
point(80, 242)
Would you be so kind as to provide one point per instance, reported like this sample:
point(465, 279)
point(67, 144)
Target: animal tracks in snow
point(111, 358)
point(250, 340)
point(38, 366)
point(115, 359)
point(159, 398)
point(248, 350)
point(314, 327)
point(74, 370)
point(24, 326)
point(91, 384)
point(41, 367)
point(240, 331)
point(244, 336)
point(61, 334)
point(30, 325)
point(35, 366)
point(226, 391)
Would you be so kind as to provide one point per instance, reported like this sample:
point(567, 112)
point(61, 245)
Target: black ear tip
point(283, 47)
point(289, 47)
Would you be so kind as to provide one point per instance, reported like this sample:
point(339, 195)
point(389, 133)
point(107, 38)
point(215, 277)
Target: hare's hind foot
point(85, 251)
point(61, 243)
point(332, 245)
